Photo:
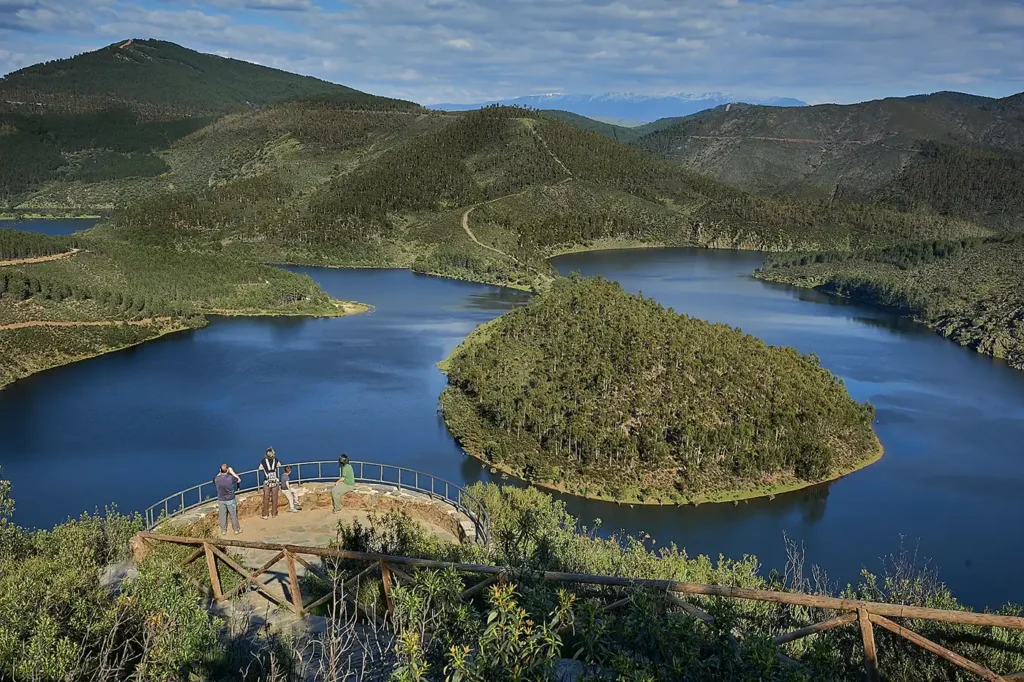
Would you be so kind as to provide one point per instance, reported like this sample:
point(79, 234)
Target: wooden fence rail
point(866, 614)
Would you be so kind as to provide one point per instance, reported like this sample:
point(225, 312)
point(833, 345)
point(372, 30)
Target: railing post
point(211, 566)
point(870, 653)
point(385, 574)
point(293, 582)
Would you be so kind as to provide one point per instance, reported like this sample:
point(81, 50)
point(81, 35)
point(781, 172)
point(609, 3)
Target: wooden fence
point(864, 614)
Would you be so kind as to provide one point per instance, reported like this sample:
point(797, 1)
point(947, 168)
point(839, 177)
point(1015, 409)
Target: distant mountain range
point(626, 108)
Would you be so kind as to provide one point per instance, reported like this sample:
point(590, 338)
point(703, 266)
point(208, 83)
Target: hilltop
point(880, 151)
point(159, 78)
point(100, 116)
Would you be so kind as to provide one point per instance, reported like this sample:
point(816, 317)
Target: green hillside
point(627, 135)
point(857, 152)
point(351, 180)
point(101, 115)
point(307, 183)
point(604, 394)
point(158, 76)
point(968, 290)
point(610, 130)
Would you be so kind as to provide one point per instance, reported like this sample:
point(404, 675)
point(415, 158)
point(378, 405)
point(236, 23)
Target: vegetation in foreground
point(967, 290)
point(604, 394)
point(63, 618)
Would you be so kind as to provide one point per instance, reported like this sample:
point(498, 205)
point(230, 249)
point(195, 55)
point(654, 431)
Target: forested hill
point(156, 76)
point(605, 394)
point(103, 116)
point(486, 195)
point(880, 151)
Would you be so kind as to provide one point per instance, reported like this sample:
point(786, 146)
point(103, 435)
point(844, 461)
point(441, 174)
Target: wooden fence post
point(211, 566)
point(385, 574)
point(870, 653)
point(293, 582)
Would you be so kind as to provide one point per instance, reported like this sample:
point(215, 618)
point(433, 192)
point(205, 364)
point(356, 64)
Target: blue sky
point(473, 50)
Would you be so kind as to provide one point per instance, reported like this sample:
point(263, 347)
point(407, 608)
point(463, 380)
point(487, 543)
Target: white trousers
point(293, 499)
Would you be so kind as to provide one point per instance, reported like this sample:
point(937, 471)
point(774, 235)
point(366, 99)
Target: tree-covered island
point(604, 394)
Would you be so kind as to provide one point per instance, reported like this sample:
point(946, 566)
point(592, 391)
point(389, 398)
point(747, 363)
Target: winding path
point(465, 226)
point(39, 259)
point(82, 323)
point(465, 216)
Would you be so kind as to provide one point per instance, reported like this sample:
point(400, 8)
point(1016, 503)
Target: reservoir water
point(51, 226)
point(134, 426)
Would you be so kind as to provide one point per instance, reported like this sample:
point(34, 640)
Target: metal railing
point(323, 471)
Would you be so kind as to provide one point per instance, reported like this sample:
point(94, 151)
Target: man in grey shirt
point(226, 482)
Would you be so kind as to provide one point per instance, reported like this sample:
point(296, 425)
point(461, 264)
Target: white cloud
point(459, 50)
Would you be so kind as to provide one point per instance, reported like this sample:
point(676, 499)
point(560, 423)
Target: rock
point(113, 575)
point(568, 670)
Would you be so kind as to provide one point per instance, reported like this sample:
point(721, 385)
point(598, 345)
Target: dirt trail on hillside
point(82, 323)
point(39, 259)
point(465, 226)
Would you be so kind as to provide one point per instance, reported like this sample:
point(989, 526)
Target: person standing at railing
point(226, 482)
point(270, 466)
point(290, 493)
point(345, 483)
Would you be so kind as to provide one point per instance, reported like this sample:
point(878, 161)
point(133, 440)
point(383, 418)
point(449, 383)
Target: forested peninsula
point(604, 394)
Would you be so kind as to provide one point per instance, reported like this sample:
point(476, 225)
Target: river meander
point(133, 426)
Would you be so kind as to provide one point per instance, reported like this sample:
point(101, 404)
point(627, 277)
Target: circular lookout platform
point(439, 506)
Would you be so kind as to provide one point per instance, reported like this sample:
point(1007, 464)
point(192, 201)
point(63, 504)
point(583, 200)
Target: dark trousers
point(270, 498)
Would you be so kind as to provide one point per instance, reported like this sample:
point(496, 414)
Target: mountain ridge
point(858, 151)
point(156, 77)
point(623, 106)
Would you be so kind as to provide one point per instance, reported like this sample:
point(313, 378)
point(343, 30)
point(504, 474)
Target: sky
point(434, 51)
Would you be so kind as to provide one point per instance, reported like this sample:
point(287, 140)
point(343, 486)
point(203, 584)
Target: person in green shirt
point(344, 484)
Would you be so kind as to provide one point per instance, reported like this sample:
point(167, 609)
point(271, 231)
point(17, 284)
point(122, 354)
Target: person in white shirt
point(290, 493)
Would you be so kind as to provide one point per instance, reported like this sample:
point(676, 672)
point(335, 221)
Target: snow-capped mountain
point(628, 106)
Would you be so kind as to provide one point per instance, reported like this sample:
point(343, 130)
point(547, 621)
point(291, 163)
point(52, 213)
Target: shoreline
point(165, 332)
point(18, 216)
point(934, 327)
point(345, 309)
point(720, 497)
point(715, 497)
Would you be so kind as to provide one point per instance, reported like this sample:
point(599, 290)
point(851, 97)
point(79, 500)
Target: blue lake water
point(134, 426)
point(56, 226)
